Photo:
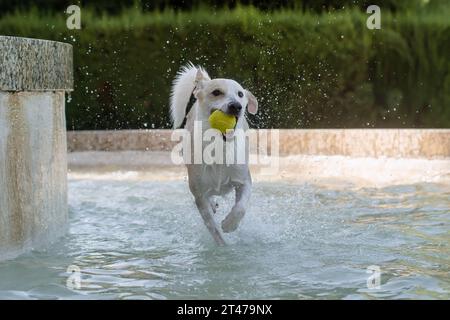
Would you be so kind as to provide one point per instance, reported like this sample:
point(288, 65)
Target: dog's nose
point(234, 108)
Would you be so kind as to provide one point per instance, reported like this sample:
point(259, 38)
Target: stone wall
point(395, 143)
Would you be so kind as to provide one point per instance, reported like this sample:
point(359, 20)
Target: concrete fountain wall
point(34, 76)
point(367, 157)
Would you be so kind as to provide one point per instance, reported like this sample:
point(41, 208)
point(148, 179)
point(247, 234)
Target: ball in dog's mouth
point(222, 121)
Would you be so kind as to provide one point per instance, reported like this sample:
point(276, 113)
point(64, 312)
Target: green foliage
point(114, 7)
point(308, 70)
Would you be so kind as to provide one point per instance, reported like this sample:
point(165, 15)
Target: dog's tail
point(182, 87)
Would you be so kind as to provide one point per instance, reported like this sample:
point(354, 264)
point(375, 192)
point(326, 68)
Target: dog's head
point(223, 94)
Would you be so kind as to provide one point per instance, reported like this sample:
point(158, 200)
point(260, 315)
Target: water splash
point(145, 240)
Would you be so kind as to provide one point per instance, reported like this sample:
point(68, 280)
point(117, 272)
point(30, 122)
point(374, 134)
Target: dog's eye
point(216, 93)
point(240, 94)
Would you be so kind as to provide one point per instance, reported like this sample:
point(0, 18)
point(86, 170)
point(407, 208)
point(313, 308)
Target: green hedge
point(308, 70)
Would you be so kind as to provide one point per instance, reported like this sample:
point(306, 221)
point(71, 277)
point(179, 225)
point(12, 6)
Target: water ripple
point(145, 240)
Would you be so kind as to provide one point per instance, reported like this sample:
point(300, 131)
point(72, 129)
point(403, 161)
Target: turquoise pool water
point(145, 240)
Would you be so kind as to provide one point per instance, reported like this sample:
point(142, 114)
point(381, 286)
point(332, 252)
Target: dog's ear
point(252, 106)
point(200, 77)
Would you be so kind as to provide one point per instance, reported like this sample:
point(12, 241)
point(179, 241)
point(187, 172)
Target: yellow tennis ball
point(221, 121)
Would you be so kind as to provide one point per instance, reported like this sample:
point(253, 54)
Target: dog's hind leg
point(231, 221)
point(206, 211)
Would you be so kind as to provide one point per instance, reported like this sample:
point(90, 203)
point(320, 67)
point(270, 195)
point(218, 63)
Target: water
point(145, 240)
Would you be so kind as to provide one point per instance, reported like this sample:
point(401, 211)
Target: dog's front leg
point(204, 207)
point(231, 221)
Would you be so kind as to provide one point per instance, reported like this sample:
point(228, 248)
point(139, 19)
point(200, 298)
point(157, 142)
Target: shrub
point(308, 70)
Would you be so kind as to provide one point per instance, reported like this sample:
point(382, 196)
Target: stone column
point(34, 76)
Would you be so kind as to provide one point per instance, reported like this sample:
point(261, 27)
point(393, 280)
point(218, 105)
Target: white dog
point(209, 180)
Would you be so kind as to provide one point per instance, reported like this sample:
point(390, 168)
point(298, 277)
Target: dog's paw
point(214, 205)
point(231, 221)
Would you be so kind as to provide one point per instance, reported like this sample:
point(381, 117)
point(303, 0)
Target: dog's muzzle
point(234, 108)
